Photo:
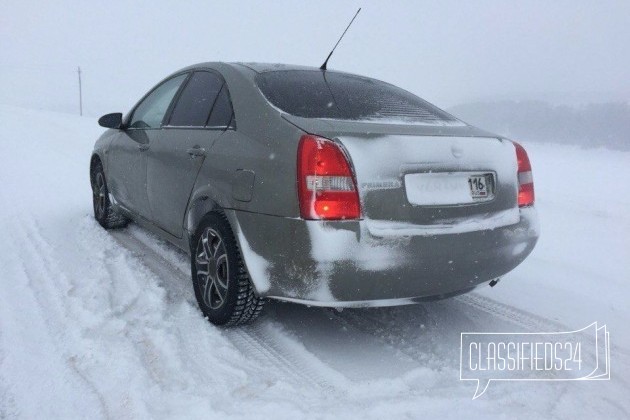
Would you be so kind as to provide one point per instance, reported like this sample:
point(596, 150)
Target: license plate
point(479, 186)
point(449, 188)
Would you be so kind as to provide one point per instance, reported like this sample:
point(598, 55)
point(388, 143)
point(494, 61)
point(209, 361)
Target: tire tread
point(248, 304)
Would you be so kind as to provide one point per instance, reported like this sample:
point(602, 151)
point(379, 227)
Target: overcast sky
point(448, 52)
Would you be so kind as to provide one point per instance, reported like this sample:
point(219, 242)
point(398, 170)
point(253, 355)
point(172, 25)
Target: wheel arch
point(199, 206)
point(204, 199)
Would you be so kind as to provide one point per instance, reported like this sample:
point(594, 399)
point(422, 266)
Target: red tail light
point(525, 177)
point(326, 185)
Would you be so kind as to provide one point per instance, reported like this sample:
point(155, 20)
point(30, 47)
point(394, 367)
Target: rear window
point(319, 94)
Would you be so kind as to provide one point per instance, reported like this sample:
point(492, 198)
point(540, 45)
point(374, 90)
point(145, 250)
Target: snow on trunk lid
point(437, 184)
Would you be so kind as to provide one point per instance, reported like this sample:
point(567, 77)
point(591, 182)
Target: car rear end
point(399, 201)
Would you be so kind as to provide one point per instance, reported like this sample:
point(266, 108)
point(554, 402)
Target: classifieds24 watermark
point(543, 356)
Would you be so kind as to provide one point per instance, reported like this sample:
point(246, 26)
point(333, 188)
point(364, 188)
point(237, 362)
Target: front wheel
point(104, 212)
point(223, 289)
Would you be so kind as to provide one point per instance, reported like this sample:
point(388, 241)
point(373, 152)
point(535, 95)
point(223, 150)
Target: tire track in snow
point(481, 311)
point(159, 336)
point(7, 401)
point(484, 313)
point(169, 277)
point(263, 341)
point(255, 341)
point(526, 320)
point(484, 306)
point(415, 333)
point(47, 282)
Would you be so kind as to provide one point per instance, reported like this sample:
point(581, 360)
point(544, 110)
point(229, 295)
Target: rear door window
point(196, 100)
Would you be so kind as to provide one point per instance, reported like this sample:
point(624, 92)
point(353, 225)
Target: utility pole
point(80, 93)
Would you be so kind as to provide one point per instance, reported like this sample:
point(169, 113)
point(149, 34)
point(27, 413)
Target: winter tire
point(223, 288)
point(104, 212)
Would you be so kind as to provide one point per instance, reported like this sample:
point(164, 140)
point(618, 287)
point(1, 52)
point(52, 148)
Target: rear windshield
point(319, 94)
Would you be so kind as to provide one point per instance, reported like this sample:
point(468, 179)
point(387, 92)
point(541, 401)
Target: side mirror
point(113, 120)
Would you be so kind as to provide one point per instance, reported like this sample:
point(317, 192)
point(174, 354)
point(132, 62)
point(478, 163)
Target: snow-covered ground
point(97, 324)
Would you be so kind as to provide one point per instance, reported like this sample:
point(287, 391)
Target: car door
point(175, 157)
point(127, 155)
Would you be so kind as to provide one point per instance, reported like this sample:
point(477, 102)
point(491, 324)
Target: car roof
point(256, 67)
point(264, 67)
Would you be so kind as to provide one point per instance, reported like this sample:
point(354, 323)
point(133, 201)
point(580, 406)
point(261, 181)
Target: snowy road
point(97, 324)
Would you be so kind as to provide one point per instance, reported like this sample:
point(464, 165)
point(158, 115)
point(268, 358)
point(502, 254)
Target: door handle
point(143, 147)
point(196, 152)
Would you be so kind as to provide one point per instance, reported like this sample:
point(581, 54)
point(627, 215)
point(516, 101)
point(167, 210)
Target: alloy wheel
point(99, 191)
point(211, 263)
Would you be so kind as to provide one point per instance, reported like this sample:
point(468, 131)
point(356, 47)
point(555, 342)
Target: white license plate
point(478, 186)
point(448, 188)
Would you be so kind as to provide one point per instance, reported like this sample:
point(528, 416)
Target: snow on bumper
point(367, 263)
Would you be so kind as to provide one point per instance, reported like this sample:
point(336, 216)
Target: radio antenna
point(323, 67)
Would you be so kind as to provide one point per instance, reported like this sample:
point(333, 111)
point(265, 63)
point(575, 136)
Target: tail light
point(525, 178)
point(327, 188)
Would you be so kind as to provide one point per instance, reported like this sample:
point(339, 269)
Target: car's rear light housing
point(525, 178)
point(327, 187)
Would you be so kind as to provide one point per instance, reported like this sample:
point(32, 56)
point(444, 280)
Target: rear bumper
point(352, 263)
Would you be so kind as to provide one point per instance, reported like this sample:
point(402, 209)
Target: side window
point(196, 100)
point(150, 112)
point(222, 112)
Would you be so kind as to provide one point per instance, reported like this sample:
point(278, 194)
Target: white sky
point(448, 52)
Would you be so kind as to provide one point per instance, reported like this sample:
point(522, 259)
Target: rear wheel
point(224, 291)
point(104, 213)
